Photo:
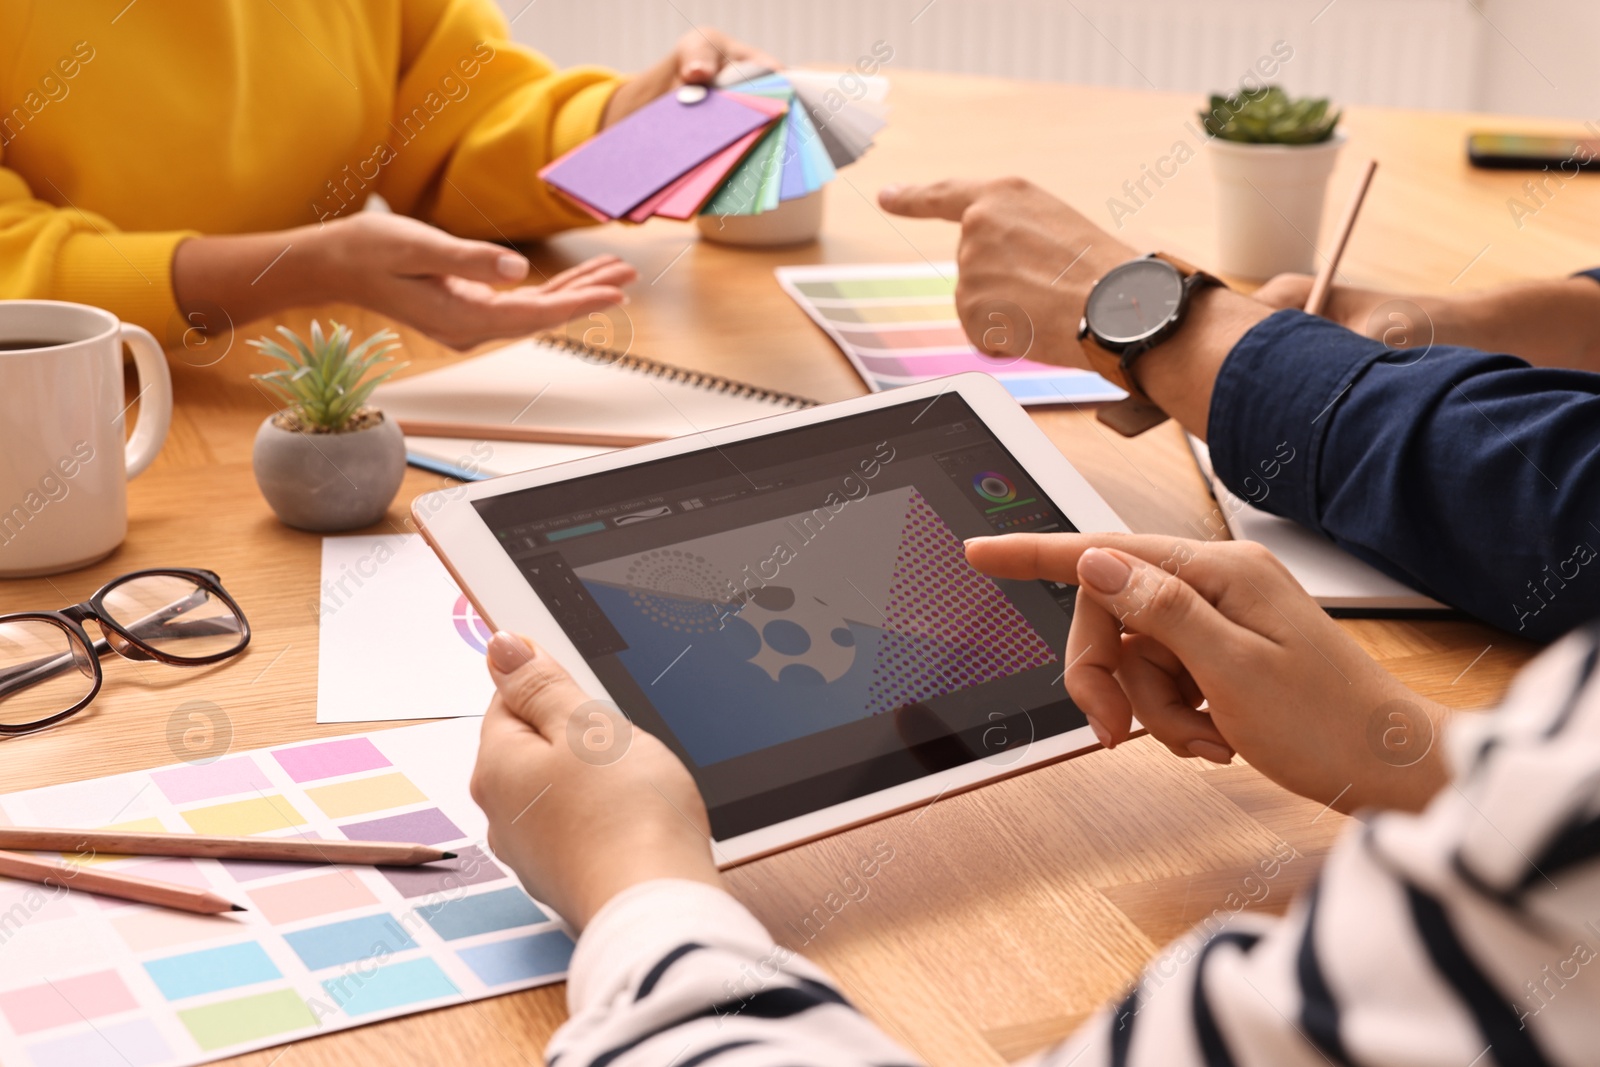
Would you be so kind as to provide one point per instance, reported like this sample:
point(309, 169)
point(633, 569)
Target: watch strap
point(1132, 415)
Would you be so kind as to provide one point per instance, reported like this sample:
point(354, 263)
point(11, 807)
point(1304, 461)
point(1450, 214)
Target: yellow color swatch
point(241, 818)
point(89, 857)
point(365, 795)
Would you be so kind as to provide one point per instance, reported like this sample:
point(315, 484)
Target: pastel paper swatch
point(742, 149)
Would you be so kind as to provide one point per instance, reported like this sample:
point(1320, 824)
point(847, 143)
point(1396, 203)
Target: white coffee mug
point(64, 458)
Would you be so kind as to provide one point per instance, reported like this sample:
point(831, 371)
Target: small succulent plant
point(326, 383)
point(1270, 116)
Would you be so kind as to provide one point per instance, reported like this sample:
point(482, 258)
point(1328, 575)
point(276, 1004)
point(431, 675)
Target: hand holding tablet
point(787, 606)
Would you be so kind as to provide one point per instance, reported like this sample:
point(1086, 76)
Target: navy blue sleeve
point(1595, 274)
point(1473, 477)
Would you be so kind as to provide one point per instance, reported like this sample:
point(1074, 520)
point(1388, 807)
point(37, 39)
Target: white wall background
point(1514, 56)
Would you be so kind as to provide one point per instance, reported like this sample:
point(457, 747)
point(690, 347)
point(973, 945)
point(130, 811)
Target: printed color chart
point(87, 981)
point(897, 324)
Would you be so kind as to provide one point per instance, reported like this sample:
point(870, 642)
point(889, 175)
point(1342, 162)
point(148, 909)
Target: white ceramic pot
point(793, 222)
point(326, 482)
point(1269, 205)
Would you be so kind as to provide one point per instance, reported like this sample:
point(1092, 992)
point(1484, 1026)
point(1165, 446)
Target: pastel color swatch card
point(90, 982)
point(620, 167)
point(897, 324)
point(679, 157)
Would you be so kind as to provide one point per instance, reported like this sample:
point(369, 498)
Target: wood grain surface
point(1007, 914)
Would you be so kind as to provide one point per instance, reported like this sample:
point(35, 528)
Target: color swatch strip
point(897, 324)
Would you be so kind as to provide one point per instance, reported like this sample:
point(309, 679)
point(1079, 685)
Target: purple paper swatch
point(470, 867)
point(621, 167)
point(308, 763)
point(427, 827)
point(252, 870)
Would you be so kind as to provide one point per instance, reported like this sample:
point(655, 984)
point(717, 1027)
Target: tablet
point(787, 605)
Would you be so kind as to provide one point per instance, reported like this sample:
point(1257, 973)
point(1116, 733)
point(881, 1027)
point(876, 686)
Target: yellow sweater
point(125, 128)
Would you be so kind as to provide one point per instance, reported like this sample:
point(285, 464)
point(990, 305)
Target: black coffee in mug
point(24, 345)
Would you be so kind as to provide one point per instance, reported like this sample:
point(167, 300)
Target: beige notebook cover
point(556, 383)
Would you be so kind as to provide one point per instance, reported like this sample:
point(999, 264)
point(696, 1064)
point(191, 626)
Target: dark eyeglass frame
point(117, 638)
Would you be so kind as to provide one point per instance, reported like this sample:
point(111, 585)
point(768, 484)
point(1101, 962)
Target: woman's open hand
point(458, 291)
point(1164, 625)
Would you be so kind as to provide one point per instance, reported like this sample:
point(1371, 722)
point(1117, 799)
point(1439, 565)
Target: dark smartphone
point(1512, 151)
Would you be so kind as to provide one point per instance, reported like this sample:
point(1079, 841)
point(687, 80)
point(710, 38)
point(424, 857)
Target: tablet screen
point(794, 614)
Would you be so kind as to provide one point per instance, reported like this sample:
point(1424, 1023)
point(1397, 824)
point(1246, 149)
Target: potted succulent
point(328, 461)
point(1272, 155)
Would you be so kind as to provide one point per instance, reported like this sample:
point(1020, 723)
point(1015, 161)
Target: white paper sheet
point(398, 640)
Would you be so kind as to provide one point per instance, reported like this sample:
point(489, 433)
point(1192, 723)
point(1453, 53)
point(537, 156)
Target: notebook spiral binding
point(656, 369)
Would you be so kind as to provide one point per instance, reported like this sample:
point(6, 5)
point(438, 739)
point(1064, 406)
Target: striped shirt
point(1464, 936)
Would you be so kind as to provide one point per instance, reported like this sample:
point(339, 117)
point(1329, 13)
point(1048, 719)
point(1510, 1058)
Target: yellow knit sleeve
point(476, 116)
point(60, 253)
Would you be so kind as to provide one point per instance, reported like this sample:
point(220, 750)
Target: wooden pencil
point(114, 884)
point(197, 846)
point(1323, 282)
point(544, 435)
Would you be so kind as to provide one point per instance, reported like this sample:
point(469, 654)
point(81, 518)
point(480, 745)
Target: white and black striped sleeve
point(1466, 936)
point(679, 972)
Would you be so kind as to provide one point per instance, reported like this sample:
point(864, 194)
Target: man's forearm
point(1180, 373)
point(1547, 323)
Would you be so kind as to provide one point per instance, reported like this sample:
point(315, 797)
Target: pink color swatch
point(152, 930)
point(684, 198)
point(67, 1000)
point(204, 781)
point(951, 336)
point(308, 763)
point(311, 897)
point(688, 194)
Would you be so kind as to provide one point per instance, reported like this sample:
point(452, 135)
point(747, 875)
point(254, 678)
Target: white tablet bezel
point(497, 589)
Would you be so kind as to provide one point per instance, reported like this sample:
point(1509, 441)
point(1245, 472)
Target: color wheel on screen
point(897, 325)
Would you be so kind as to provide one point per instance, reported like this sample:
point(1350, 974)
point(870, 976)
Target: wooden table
point(1007, 914)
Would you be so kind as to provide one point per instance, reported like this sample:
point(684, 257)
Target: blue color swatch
point(367, 938)
point(504, 909)
point(520, 959)
point(212, 970)
point(386, 988)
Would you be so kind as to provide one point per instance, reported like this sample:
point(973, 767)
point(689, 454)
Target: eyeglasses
point(50, 669)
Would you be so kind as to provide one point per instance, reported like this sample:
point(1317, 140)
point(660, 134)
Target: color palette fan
point(88, 981)
point(897, 324)
point(740, 149)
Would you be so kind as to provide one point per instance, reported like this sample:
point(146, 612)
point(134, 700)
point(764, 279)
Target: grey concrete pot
point(327, 482)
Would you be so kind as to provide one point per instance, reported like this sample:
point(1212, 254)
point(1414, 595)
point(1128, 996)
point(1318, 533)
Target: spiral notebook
point(558, 383)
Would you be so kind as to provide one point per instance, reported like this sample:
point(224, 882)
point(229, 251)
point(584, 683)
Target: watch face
point(1134, 300)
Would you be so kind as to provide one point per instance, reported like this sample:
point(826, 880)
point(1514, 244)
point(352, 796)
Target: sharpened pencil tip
point(236, 907)
point(447, 855)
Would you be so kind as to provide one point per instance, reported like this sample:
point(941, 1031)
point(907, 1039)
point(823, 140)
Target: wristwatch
point(1129, 311)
